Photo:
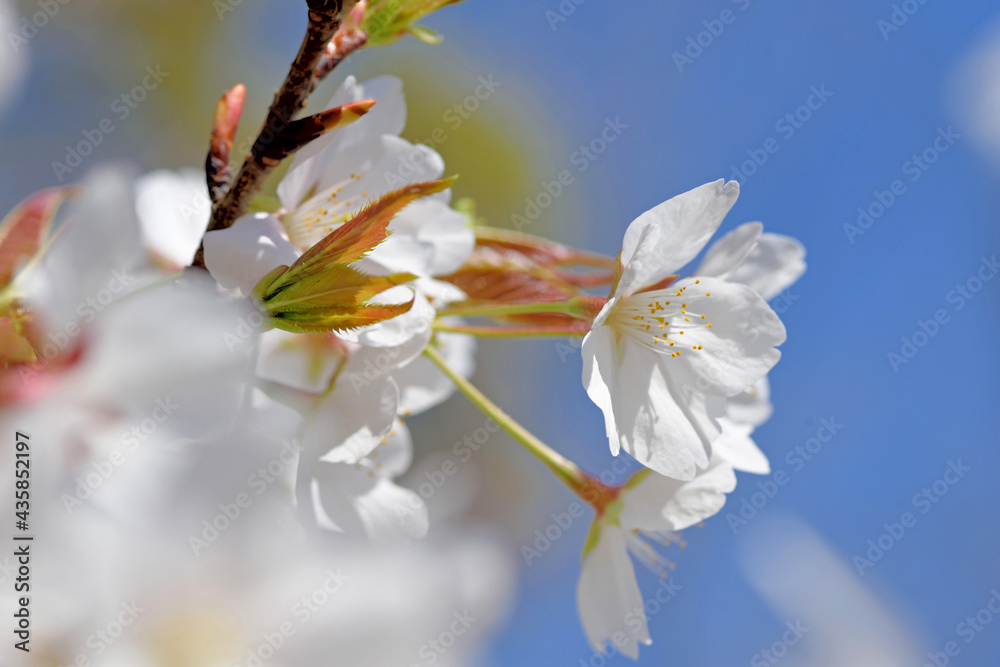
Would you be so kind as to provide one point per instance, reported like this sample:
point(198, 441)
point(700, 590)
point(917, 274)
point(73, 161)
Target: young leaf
point(325, 322)
point(24, 229)
point(358, 236)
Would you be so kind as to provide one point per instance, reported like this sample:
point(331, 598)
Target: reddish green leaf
point(338, 286)
point(24, 229)
point(319, 322)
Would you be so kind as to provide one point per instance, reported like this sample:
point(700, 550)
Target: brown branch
point(300, 132)
point(288, 101)
point(343, 44)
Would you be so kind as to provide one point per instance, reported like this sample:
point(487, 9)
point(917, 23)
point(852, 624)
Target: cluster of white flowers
point(219, 450)
point(679, 368)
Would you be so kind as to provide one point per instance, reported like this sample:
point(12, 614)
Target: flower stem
point(555, 252)
point(567, 471)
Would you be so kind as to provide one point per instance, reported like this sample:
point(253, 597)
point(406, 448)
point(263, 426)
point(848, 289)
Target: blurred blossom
point(841, 622)
point(975, 92)
point(218, 574)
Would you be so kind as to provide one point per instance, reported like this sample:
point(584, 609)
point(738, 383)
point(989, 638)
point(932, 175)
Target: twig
point(343, 44)
point(227, 118)
point(288, 101)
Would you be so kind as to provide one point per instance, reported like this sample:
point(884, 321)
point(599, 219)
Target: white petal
point(654, 420)
point(737, 350)
point(422, 385)
point(387, 117)
point(729, 252)
point(600, 366)
point(353, 499)
point(301, 361)
point(360, 411)
point(772, 267)
point(394, 455)
point(428, 238)
point(751, 406)
point(168, 349)
point(360, 174)
point(92, 259)
point(608, 596)
point(174, 210)
point(665, 238)
point(352, 419)
point(414, 324)
point(246, 252)
point(439, 292)
point(391, 512)
point(658, 503)
point(735, 446)
point(369, 362)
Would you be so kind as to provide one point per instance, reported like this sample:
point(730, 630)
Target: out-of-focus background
point(870, 130)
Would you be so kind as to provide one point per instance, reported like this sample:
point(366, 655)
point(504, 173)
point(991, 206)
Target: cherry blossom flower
point(658, 340)
point(330, 180)
point(648, 510)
